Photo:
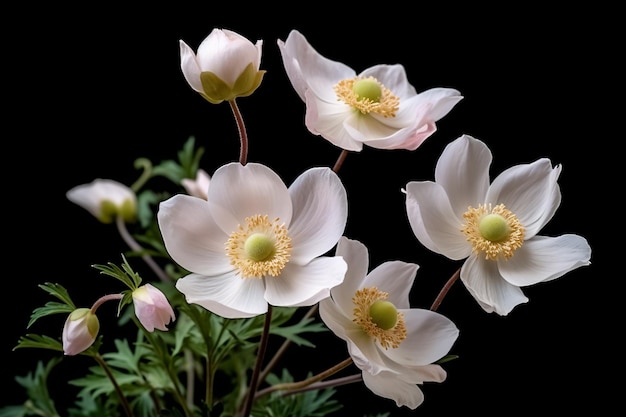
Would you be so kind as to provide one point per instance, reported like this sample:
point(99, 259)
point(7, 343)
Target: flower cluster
point(235, 254)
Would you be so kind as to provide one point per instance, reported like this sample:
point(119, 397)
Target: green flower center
point(384, 314)
point(259, 247)
point(494, 227)
point(368, 88)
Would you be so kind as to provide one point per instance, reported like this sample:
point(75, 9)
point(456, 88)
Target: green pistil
point(368, 89)
point(383, 314)
point(259, 247)
point(494, 227)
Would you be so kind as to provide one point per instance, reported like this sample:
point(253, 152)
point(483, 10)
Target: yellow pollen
point(502, 242)
point(260, 248)
point(387, 104)
point(363, 299)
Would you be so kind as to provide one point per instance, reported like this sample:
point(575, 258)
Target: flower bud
point(198, 187)
point(105, 199)
point(152, 308)
point(80, 331)
point(225, 67)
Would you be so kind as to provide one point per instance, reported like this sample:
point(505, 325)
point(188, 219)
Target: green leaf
point(51, 307)
point(59, 292)
point(36, 386)
point(125, 274)
point(39, 341)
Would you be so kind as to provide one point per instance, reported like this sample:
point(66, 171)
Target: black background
point(92, 89)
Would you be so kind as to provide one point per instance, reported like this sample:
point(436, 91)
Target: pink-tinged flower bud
point(198, 187)
point(152, 308)
point(105, 199)
point(225, 67)
point(80, 331)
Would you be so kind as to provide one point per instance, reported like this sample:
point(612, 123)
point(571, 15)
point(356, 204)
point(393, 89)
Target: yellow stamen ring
point(363, 300)
point(259, 248)
point(364, 99)
point(495, 232)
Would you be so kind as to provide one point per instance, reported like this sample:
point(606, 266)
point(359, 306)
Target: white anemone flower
point(105, 199)
point(254, 241)
point(377, 107)
point(394, 345)
point(225, 67)
point(495, 226)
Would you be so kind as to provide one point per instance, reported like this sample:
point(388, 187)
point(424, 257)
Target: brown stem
point(445, 290)
point(120, 393)
point(254, 380)
point(350, 379)
point(306, 382)
point(104, 299)
point(243, 136)
point(283, 348)
point(342, 157)
point(132, 243)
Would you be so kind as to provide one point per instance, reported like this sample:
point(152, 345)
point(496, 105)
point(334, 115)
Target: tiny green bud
point(493, 227)
point(368, 89)
point(259, 247)
point(384, 314)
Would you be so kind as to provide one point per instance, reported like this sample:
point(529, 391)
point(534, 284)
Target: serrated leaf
point(51, 307)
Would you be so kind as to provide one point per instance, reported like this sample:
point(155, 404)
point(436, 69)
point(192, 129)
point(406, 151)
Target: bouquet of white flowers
point(239, 265)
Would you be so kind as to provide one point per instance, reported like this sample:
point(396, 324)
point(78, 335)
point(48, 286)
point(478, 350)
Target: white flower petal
point(327, 119)
point(299, 286)
point(484, 282)
point(463, 172)
point(545, 258)
point(191, 236)
point(357, 258)
point(430, 336)
point(227, 295)
point(320, 213)
point(388, 385)
point(307, 69)
point(395, 278)
point(530, 191)
point(437, 102)
point(392, 77)
point(239, 191)
point(433, 222)
point(189, 66)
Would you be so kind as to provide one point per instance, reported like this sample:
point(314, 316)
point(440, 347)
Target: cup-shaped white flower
point(80, 331)
point(105, 199)
point(377, 107)
point(394, 345)
point(254, 241)
point(225, 67)
point(152, 308)
point(198, 187)
point(494, 225)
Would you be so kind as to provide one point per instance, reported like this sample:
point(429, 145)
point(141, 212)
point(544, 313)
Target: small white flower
point(254, 241)
point(377, 107)
point(495, 226)
point(393, 344)
point(198, 187)
point(80, 331)
point(152, 308)
point(225, 67)
point(105, 199)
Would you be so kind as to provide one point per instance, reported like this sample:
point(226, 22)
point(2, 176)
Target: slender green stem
point(289, 386)
point(120, 393)
point(250, 397)
point(243, 135)
point(132, 243)
point(445, 290)
point(145, 176)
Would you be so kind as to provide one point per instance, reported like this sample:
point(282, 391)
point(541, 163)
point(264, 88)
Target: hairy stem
point(445, 290)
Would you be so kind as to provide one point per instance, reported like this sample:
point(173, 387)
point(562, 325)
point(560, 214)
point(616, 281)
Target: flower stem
point(132, 243)
point(254, 381)
point(120, 393)
point(345, 380)
point(306, 382)
point(103, 300)
point(342, 157)
point(445, 290)
point(283, 348)
point(243, 136)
